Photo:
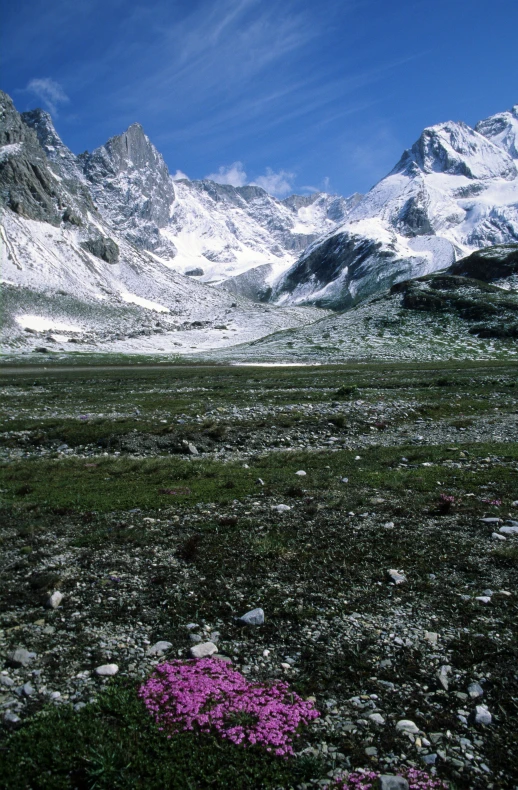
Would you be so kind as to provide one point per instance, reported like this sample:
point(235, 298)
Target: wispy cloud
point(179, 176)
point(49, 92)
point(233, 174)
point(278, 184)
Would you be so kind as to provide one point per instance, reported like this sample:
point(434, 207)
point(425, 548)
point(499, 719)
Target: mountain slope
point(454, 191)
point(71, 275)
point(440, 316)
point(212, 231)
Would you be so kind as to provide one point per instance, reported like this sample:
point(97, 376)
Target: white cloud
point(179, 175)
point(49, 92)
point(233, 174)
point(278, 184)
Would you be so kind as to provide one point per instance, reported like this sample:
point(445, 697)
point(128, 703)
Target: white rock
point(396, 576)
point(388, 782)
point(107, 670)
point(491, 520)
point(475, 690)
point(204, 650)
point(431, 637)
point(253, 617)
point(281, 508)
point(482, 715)
point(301, 473)
point(377, 718)
point(159, 648)
point(405, 725)
point(192, 449)
point(344, 480)
point(497, 536)
point(509, 530)
point(483, 598)
point(389, 525)
point(54, 600)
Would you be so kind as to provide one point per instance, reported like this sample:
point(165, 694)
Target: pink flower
point(209, 695)
point(417, 780)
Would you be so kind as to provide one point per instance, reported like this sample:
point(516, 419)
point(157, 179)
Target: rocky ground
point(371, 512)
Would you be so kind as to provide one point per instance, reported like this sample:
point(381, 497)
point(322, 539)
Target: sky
point(293, 95)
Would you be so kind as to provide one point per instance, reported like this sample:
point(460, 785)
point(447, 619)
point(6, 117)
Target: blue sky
point(291, 94)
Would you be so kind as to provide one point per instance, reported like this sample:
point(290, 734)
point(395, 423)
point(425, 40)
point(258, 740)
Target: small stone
point(301, 473)
point(396, 576)
point(6, 681)
point(107, 670)
point(497, 536)
point(191, 449)
point(344, 480)
point(405, 725)
point(429, 759)
point(387, 782)
point(475, 690)
point(389, 525)
point(54, 600)
point(159, 648)
point(509, 530)
point(491, 520)
point(482, 715)
point(371, 751)
point(27, 689)
point(431, 637)
point(483, 598)
point(281, 508)
point(11, 719)
point(377, 718)
point(254, 617)
point(204, 650)
point(20, 657)
point(259, 482)
point(442, 676)
point(195, 638)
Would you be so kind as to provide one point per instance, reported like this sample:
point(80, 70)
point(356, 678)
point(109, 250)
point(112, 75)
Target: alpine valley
point(106, 252)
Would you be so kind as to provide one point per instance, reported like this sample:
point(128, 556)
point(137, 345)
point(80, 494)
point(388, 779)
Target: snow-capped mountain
point(454, 191)
point(71, 274)
point(207, 230)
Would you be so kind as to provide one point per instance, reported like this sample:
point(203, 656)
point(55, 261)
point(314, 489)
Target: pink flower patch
point(210, 696)
point(417, 780)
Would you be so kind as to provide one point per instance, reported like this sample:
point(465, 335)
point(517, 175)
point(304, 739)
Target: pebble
point(159, 648)
point(195, 638)
point(377, 718)
point(475, 690)
point(253, 617)
point(281, 508)
point(497, 536)
point(389, 525)
point(54, 600)
point(107, 670)
point(491, 520)
point(431, 637)
point(344, 480)
point(405, 725)
point(301, 473)
point(27, 689)
point(6, 681)
point(11, 719)
point(20, 657)
point(397, 578)
point(191, 449)
point(429, 759)
point(483, 598)
point(442, 676)
point(387, 782)
point(509, 530)
point(482, 715)
point(204, 650)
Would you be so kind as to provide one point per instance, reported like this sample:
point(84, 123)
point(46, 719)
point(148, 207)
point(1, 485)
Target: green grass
point(114, 745)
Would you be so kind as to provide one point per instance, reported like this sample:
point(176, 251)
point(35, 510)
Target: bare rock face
point(132, 188)
point(103, 248)
point(26, 182)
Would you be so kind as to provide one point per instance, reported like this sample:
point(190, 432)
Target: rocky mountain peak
point(132, 188)
point(502, 129)
point(453, 148)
